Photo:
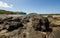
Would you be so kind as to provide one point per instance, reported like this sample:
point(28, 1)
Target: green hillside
point(10, 12)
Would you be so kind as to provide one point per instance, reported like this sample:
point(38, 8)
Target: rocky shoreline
point(31, 26)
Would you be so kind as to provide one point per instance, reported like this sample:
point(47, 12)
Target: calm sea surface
point(18, 15)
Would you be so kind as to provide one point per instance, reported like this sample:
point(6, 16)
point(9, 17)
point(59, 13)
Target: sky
point(32, 6)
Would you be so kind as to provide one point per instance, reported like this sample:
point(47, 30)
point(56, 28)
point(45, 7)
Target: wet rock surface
point(31, 26)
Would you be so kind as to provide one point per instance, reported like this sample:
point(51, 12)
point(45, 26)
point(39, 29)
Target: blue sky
point(32, 6)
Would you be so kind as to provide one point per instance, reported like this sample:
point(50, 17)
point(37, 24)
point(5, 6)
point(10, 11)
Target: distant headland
point(10, 12)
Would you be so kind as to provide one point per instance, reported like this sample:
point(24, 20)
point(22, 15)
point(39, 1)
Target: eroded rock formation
point(31, 26)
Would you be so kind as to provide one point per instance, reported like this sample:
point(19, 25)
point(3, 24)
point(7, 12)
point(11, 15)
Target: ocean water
point(17, 15)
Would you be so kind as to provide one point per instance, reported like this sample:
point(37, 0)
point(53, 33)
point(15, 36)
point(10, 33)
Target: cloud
point(5, 5)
